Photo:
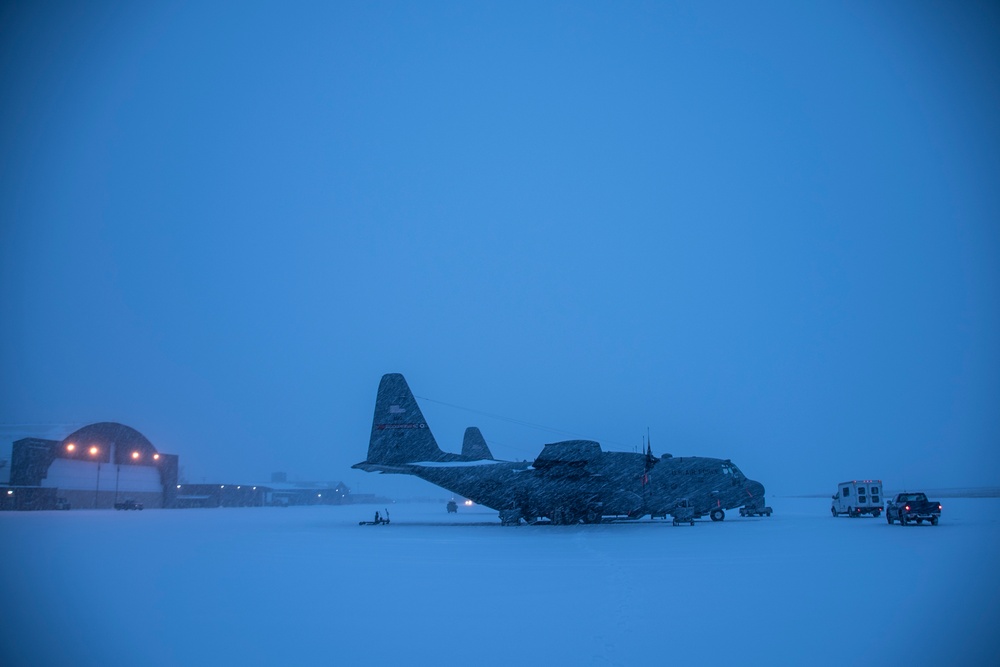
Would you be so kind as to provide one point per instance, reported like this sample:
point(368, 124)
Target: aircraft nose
point(755, 489)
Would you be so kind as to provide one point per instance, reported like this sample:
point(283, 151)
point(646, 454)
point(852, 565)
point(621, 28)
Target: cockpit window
point(730, 469)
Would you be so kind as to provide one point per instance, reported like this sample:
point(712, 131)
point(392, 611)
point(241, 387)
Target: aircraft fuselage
point(569, 481)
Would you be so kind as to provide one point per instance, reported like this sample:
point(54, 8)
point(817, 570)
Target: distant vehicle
point(128, 504)
point(452, 507)
point(62, 504)
point(907, 507)
point(568, 482)
point(858, 497)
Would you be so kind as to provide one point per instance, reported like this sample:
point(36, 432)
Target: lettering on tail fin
point(399, 432)
point(474, 445)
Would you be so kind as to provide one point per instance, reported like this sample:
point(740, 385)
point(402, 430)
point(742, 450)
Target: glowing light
point(71, 447)
point(468, 503)
point(222, 486)
point(178, 486)
point(319, 495)
point(93, 451)
point(255, 488)
point(10, 493)
point(156, 457)
point(135, 455)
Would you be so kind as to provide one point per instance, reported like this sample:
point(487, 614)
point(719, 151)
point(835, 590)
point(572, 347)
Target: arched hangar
point(94, 467)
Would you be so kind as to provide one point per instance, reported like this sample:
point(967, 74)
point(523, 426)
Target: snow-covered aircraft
point(569, 482)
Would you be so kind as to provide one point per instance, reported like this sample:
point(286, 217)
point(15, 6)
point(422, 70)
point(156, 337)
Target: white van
point(858, 497)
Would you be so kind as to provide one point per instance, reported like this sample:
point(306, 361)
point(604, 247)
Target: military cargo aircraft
point(569, 482)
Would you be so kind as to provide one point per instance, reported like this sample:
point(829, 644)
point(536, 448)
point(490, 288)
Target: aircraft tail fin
point(399, 431)
point(474, 445)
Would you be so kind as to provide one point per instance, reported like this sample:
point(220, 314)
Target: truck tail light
point(907, 508)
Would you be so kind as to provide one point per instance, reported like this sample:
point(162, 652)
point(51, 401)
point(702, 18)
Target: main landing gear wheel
point(565, 516)
point(833, 511)
point(717, 515)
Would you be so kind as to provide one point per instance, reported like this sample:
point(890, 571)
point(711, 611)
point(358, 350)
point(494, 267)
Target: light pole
point(94, 451)
point(118, 471)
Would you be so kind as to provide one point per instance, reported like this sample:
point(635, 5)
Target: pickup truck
point(128, 504)
point(907, 507)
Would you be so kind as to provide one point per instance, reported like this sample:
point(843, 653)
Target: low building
point(219, 495)
point(307, 493)
point(280, 494)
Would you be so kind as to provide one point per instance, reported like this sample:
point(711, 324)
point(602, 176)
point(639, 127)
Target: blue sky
point(766, 232)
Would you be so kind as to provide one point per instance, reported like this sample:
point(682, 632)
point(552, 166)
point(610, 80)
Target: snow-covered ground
point(285, 586)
